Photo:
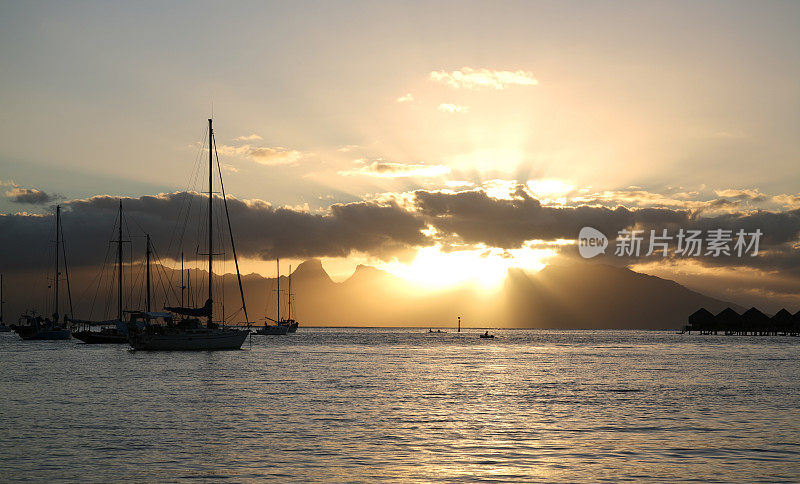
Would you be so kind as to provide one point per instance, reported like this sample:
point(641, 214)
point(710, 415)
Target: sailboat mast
point(278, 291)
point(289, 294)
point(66, 269)
point(210, 214)
point(119, 265)
point(183, 286)
point(147, 251)
point(58, 224)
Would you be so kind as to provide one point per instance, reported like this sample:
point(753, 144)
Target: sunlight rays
point(437, 268)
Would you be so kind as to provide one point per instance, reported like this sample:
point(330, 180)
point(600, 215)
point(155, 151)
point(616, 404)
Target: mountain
point(591, 295)
point(577, 295)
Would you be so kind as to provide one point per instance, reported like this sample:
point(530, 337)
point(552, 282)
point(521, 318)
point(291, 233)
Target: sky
point(423, 122)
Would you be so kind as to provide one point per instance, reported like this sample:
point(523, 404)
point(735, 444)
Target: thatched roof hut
point(728, 316)
point(782, 316)
point(701, 316)
point(754, 316)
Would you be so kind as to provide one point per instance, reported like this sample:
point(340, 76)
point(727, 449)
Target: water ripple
point(365, 405)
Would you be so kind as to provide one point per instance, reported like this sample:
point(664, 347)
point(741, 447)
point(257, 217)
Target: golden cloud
point(470, 78)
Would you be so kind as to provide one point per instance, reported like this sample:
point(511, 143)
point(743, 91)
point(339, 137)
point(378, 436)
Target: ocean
point(375, 404)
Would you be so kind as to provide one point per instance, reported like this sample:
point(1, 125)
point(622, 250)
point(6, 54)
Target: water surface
point(399, 404)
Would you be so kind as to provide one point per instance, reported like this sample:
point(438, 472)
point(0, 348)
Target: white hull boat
point(196, 339)
point(183, 330)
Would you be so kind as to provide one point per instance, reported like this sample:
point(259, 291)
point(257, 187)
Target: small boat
point(487, 335)
point(437, 331)
point(108, 335)
point(281, 326)
point(113, 331)
point(289, 322)
point(33, 327)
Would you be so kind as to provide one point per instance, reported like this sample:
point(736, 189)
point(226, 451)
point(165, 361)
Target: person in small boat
point(486, 334)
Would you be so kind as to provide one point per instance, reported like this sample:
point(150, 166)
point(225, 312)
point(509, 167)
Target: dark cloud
point(478, 218)
point(29, 195)
point(380, 229)
point(176, 222)
point(474, 217)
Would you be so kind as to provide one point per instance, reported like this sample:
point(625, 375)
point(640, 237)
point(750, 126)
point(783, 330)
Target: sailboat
point(3, 327)
point(290, 323)
point(278, 328)
point(35, 327)
point(183, 329)
point(114, 331)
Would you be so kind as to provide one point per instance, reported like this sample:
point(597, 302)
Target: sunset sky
point(442, 141)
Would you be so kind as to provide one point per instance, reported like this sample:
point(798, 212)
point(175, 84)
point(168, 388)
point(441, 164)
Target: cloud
point(784, 200)
point(384, 227)
point(275, 156)
point(263, 155)
point(453, 108)
point(385, 169)
point(746, 194)
point(29, 195)
point(637, 197)
point(251, 137)
point(474, 217)
point(406, 98)
point(470, 78)
point(262, 231)
point(458, 183)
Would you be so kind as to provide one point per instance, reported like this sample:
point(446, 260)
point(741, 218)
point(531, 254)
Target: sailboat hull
point(200, 340)
point(277, 329)
point(97, 337)
point(46, 334)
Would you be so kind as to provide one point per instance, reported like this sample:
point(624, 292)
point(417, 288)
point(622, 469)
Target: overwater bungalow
point(751, 322)
point(754, 321)
point(700, 320)
point(784, 322)
point(795, 329)
point(728, 321)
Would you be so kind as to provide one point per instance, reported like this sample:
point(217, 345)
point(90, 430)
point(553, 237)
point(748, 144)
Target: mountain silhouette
point(592, 295)
point(576, 295)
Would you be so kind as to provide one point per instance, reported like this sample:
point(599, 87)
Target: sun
point(487, 267)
